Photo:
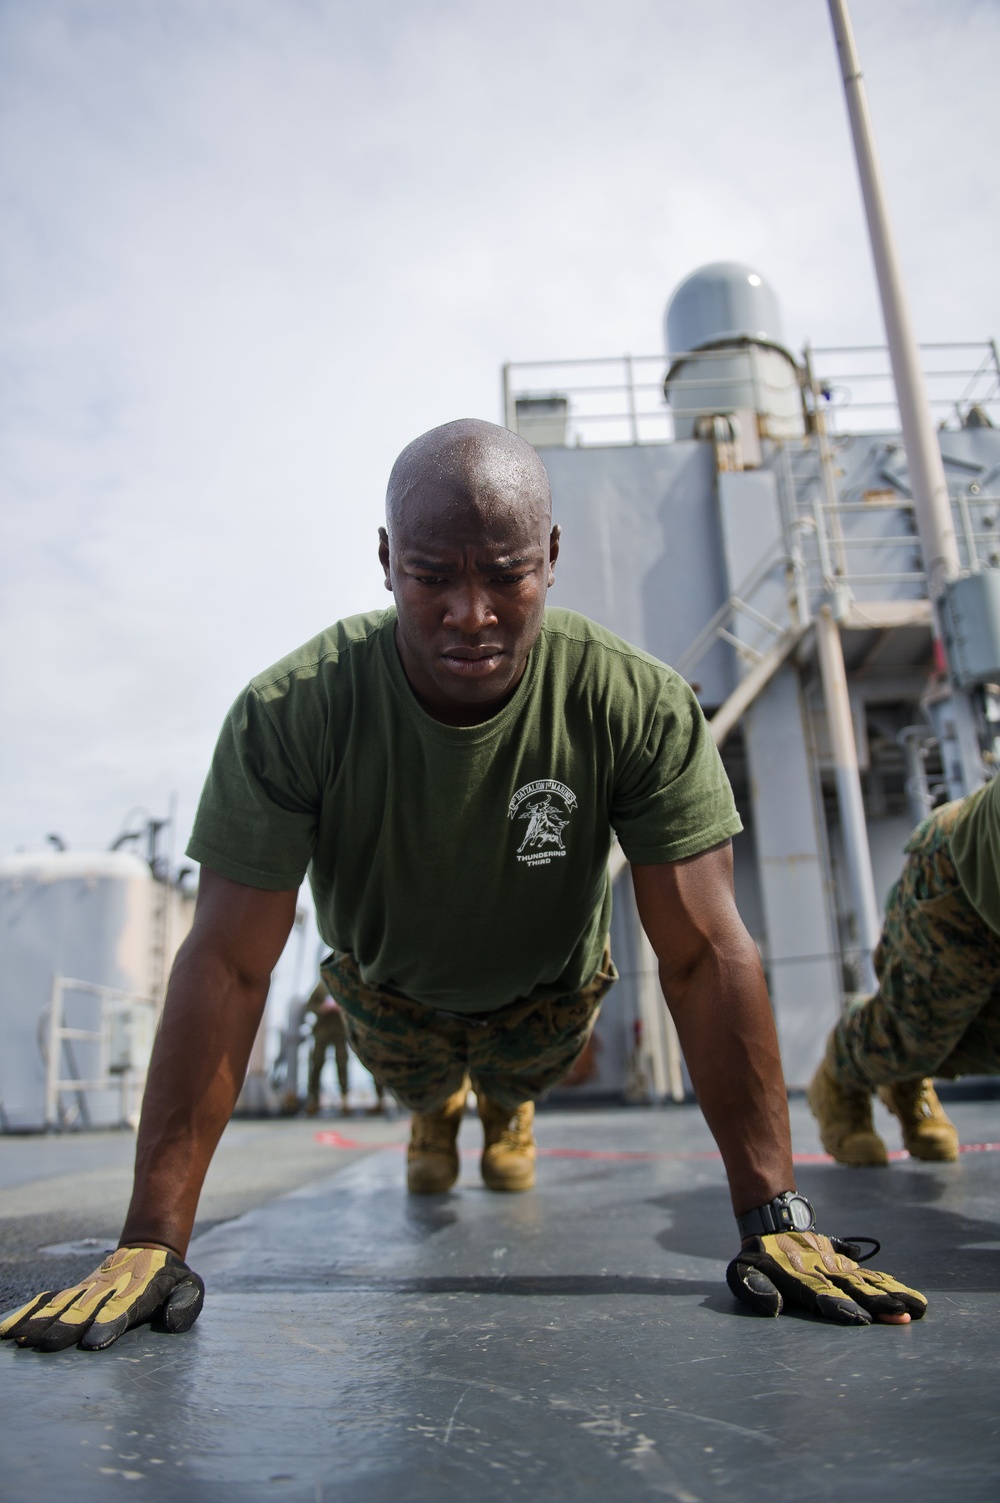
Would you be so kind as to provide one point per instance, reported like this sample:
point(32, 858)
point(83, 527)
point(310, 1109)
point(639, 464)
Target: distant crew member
point(937, 1008)
point(330, 1032)
point(452, 774)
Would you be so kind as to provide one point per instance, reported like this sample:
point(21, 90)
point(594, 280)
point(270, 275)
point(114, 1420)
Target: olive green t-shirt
point(464, 866)
point(975, 850)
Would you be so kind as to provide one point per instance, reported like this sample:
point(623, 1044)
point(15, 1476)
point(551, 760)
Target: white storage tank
point(99, 918)
point(722, 332)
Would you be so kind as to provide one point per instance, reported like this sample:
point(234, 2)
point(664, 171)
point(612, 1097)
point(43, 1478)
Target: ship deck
point(577, 1342)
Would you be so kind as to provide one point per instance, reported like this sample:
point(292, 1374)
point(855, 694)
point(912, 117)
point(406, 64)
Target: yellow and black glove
point(818, 1274)
point(133, 1285)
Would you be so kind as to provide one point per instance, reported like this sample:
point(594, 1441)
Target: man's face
point(469, 576)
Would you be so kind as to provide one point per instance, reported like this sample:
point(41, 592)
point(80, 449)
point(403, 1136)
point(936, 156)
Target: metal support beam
point(660, 1043)
point(849, 797)
point(928, 484)
point(800, 952)
point(923, 457)
point(746, 691)
point(659, 1033)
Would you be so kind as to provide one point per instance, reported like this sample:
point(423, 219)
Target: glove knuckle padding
point(182, 1309)
point(753, 1288)
point(130, 1287)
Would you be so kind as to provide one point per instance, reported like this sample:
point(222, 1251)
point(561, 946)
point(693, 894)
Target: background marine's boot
point(927, 1132)
point(845, 1120)
point(432, 1157)
point(508, 1161)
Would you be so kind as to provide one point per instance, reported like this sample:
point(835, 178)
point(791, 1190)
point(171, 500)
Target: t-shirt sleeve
point(257, 816)
point(975, 848)
point(672, 798)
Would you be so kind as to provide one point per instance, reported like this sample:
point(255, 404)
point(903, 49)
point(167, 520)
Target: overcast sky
point(252, 247)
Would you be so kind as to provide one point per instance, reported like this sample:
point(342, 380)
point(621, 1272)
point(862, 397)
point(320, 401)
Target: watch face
point(803, 1216)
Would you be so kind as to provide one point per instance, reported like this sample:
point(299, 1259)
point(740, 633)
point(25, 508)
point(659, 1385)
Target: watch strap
point(774, 1216)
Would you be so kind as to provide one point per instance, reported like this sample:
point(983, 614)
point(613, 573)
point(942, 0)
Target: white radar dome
point(723, 302)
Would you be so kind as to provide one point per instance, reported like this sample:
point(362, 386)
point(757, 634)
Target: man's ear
point(554, 537)
point(383, 556)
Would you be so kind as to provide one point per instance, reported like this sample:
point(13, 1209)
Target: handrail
point(125, 1072)
point(626, 398)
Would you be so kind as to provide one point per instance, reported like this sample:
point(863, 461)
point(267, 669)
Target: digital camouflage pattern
point(937, 1009)
point(513, 1054)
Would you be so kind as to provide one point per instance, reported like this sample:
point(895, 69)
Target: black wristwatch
point(788, 1212)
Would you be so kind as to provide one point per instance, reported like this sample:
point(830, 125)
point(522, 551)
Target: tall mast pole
point(928, 485)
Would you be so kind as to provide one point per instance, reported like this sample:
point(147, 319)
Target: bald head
point(469, 555)
point(468, 464)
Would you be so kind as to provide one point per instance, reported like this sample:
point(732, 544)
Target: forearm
point(199, 1062)
point(726, 1030)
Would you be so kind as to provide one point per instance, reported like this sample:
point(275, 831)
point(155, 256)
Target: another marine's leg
point(515, 1060)
point(508, 1161)
point(928, 1133)
point(432, 1162)
point(937, 967)
point(340, 1055)
point(844, 1114)
point(421, 1057)
point(317, 1059)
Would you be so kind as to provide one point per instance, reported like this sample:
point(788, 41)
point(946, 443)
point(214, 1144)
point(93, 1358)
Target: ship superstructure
point(745, 514)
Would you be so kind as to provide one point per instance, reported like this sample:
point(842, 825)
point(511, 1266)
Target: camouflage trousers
point(513, 1055)
point(937, 1008)
point(328, 1031)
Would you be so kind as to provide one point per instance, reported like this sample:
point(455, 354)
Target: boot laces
point(914, 1097)
point(517, 1133)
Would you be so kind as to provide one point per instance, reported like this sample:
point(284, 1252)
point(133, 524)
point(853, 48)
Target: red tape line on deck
point(798, 1158)
point(333, 1139)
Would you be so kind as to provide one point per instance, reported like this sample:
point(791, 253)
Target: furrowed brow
point(502, 564)
point(509, 561)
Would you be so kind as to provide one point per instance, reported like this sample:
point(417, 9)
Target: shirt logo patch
point(546, 806)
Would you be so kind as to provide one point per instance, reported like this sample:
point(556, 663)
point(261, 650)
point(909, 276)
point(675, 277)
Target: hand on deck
point(132, 1286)
point(818, 1274)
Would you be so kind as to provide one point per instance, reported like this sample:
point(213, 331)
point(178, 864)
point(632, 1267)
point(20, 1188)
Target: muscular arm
point(215, 1000)
point(714, 986)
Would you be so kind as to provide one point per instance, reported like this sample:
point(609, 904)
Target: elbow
point(730, 965)
point(207, 962)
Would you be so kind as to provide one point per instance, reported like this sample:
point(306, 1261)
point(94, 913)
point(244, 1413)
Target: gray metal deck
point(574, 1343)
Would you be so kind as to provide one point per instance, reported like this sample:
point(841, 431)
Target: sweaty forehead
point(468, 481)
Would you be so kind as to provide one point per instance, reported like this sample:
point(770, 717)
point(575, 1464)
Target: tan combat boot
point(927, 1132)
point(508, 1161)
point(845, 1120)
point(432, 1157)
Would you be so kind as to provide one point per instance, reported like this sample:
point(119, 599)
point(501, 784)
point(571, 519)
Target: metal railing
point(118, 1047)
point(859, 395)
point(613, 400)
point(619, 399)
